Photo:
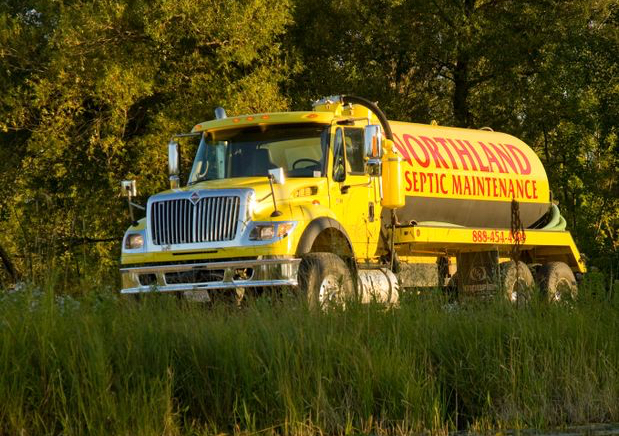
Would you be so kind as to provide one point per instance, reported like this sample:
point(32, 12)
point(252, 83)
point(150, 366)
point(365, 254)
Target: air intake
point(220, 113)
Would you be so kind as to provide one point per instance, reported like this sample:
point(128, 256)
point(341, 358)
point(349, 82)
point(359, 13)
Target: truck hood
point(292, 189)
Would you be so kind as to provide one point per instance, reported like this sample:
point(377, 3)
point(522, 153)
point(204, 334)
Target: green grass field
point(100, 364)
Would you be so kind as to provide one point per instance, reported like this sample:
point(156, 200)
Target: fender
point(316, 227)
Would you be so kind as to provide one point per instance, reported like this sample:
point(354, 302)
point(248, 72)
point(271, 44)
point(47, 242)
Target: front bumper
point(210, 275)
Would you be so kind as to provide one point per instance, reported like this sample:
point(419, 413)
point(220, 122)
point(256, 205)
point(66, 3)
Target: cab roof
point(265, 119)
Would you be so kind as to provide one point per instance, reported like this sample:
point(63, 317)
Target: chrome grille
point(180, 221)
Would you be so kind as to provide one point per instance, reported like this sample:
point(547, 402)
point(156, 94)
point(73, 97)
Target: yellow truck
point(339, 202)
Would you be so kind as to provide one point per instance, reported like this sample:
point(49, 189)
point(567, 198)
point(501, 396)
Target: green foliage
point(90, 92)
point(103, 365)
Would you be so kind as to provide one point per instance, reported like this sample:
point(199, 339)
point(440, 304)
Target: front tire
point(324, 279)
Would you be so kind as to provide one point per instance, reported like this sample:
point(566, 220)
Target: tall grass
point(105, 365)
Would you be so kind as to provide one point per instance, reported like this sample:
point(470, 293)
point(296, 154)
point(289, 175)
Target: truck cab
point(264, 190)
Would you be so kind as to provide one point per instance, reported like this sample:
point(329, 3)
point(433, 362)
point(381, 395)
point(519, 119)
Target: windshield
point(299, 149)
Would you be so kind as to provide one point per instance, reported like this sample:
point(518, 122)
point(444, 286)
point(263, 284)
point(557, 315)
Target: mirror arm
point(130, 191)
point(275, 212)
point(133, 221)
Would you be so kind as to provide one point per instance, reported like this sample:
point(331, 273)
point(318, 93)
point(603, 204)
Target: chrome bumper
point(233, 274)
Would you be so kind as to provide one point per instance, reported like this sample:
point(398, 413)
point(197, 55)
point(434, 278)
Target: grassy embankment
point(103, 365)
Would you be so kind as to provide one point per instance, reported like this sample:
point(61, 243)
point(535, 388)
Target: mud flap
point(478, 273)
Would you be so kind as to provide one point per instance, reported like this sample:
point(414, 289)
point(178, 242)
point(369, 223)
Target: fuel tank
point(466, 177)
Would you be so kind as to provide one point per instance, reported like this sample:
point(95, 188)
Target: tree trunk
point(8, 265)
point(462, 114)
point(462, 84)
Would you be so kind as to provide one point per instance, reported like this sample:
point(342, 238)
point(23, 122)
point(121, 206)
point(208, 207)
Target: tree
point(96, 97)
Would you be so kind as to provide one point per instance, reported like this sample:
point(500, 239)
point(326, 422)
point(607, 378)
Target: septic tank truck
point(339, 202)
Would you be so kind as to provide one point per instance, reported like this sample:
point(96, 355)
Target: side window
point(354, 151)
point(339, 165)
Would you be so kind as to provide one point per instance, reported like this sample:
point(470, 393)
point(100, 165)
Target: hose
point(437, 224)
point(557, 223)
point(372, 107)
point(555, 217)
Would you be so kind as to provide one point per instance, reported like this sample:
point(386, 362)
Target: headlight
point(134, 241)
point(265, 232)
point(262, 232)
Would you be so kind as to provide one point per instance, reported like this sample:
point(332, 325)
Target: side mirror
point(373, 141)
point(174, 164)
point(129, 188)
point(373, 149)
point(277, 175)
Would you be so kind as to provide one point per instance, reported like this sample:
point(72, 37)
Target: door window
point(339, 163)
point(354, 151)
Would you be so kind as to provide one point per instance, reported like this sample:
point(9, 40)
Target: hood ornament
point(194, 198)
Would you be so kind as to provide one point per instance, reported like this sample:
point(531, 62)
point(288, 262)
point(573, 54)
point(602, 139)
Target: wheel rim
point(562, 289)
point(329, 289)
point(520, 292)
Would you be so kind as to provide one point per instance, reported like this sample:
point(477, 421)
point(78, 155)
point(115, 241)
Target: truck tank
point(465, 177)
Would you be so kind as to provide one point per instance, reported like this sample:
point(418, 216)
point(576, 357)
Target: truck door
point(353, 192)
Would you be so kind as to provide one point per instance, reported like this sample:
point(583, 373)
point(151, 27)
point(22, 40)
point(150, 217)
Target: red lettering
point(462, 153)
point(467, 186)
point(397, 142)
point(503, 186)
point(526, 169)
point(495, 188)
point(415, 182)
point(423, 163)
point(422, 181)
point(482, 167)
point(441, 183)
point(511, 193)
point(433, 148)
point(519, 189)
point(504, 157)
point(480, 185)
point(534, 183)
point(407, 177)
point(443, 142)
point(491, 157)
point(527, 189)
point(456, 185)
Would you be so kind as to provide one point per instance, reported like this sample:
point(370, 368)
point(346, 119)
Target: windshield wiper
point(200, 179)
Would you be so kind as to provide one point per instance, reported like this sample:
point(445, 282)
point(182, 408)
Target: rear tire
point(516, 282)
point(324, 279)
point(557, 282)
